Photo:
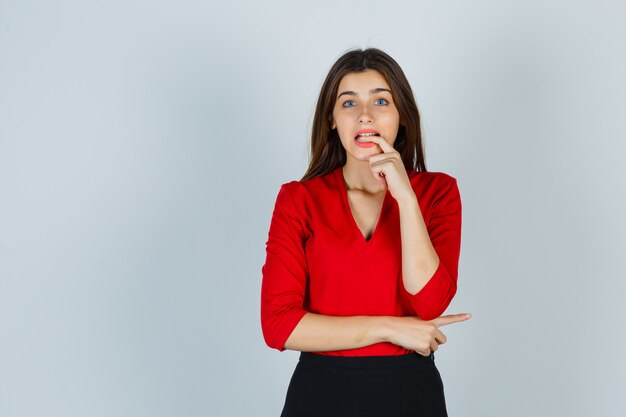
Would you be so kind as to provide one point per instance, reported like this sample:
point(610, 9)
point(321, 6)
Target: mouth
point(361, 134)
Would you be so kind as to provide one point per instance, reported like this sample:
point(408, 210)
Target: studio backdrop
point(143, 144)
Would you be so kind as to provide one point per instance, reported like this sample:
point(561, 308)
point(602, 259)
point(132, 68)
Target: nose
point(365, 116)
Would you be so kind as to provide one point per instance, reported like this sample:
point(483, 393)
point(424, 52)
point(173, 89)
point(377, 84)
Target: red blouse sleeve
point(444, 229)
point(284, 272)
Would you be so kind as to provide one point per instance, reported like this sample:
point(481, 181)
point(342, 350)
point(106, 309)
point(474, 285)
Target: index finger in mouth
point(380, 141)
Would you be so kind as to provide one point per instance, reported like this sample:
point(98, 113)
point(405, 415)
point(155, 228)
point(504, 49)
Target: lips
point(365, 133)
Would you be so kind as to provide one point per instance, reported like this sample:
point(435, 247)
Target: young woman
point(362, 253)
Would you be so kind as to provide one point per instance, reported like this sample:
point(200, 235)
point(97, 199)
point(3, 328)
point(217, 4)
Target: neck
point(358, 176)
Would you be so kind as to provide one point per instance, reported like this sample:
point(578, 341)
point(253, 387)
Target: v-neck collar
point(344, 197)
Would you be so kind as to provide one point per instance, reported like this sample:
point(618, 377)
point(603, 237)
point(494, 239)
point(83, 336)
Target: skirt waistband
point(367, 362)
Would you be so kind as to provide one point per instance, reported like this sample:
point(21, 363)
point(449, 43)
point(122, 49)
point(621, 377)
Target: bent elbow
point(277, 326)
point(434, 307)
point(271, 339)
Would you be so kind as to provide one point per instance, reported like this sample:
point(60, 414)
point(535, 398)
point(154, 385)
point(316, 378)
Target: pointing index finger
point(449, 319)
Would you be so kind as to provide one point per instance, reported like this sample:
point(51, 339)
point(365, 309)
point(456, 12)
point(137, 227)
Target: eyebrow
point(372, 91)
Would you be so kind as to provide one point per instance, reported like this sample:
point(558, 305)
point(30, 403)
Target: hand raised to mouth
point(388, 169)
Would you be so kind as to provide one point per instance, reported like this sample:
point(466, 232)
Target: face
point(364, 104)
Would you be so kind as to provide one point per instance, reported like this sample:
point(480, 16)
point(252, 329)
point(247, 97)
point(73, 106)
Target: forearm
point(419, 259)
point(320, 333)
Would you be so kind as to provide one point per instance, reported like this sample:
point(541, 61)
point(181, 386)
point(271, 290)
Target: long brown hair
point(327, 152)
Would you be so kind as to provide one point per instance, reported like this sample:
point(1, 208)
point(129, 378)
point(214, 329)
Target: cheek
point(391, 117)
point(337, 118)
point(344, 122)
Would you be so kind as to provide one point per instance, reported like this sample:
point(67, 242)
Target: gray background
point(142, 145)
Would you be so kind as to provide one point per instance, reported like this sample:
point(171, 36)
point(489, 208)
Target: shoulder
point(433, 185)
point(431, 179)
point(316, 187)
point(301, 199)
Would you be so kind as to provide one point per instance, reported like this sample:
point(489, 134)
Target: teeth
point(365, 135)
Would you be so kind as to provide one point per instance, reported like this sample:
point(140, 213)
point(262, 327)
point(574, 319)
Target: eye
point(349, 101)
point(382, 99)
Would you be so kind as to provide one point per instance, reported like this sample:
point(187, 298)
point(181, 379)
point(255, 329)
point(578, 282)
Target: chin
point(364, 155)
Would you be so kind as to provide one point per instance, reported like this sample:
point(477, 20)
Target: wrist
point(382, 328)
point(408, 202)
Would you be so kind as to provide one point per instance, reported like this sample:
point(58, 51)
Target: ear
point(333, 125)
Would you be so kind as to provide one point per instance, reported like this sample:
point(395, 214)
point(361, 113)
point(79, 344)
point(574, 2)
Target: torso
point(337, 271)
point(365, 210)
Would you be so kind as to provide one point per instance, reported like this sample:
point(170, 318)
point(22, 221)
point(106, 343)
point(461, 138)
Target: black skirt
point(380, 386)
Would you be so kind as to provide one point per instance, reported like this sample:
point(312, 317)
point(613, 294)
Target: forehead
point(362, 82)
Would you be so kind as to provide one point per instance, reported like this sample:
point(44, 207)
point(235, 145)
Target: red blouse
point(317, 259)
